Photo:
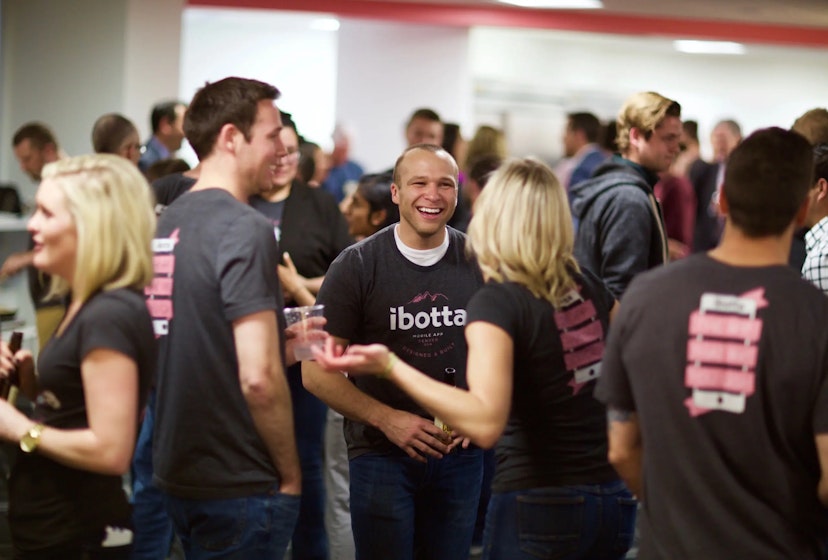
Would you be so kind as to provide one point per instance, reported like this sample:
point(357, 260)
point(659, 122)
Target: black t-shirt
point(169, 188)
point(215, 262)
point(372, 293)
point(726, 367)
point(556, 433)
point(311, 227)
point(52, 504)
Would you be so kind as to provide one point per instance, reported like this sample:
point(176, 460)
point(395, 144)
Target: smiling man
point(223, 450)
point(414, 490)
point(620, 226)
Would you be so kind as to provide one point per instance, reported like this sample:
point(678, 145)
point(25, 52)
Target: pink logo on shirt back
point(722, 351)
point(159, 292)
point(582, 339)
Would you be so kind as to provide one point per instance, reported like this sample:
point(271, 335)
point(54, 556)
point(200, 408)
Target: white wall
point(564, 71)
point(386, 71)
point(279, 48)
point(67, 63)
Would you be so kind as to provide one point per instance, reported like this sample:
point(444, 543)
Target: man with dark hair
point(580, 140)
point(413, 489)
point(34, 146)
point(815, 267)
point(715, 378)
point(424, 127)
point(224, 453)
point(167, 120)
point(620, 228)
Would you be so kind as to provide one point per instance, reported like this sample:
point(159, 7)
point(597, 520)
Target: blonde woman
point(487, 141)
point(535, 334)
point(92, 230)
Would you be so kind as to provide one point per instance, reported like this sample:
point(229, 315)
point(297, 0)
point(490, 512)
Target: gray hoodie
point(620, 227)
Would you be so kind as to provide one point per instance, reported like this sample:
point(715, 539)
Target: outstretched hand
point(357, 359)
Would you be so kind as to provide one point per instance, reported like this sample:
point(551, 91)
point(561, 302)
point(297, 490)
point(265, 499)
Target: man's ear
point(822, 185)
point(395, 197)
point(724, 206)
point(228, 137)
point(377, 217)
point(636, 137)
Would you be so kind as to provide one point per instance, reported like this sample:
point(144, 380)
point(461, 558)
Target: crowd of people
point(516, 362)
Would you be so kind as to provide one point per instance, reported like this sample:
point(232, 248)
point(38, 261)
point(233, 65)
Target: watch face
point(28, 443)
point(31, 439)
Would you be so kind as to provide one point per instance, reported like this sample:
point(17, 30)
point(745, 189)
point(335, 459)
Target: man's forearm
point(340, 394)
point(272, 414)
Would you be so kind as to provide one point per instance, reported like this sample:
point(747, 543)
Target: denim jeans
point(404, 509)
point(310, 541)
point(152, 528)
point(592, 522)
point(252, 528)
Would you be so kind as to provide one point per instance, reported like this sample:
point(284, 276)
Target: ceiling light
point(557, 4)
point(325, 24)
point(709, 47)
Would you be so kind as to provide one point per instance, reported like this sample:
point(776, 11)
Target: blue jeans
point(152, 528)
point(310, 541)
point(404, 509)
point(252, 528)
point(592, 522)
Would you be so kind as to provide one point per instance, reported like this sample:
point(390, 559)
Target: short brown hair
point(110, 131)
point(766, 181)
point(229, 101)
point(38, 135)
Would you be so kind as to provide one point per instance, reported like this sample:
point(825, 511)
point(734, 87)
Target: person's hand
point(677, 249)
point(415, 435)
point(15, 262)
point(20, 361)
point(458, 440)
point(293, 283)
point(357, 359)
point(290, 486)
point(309, 331)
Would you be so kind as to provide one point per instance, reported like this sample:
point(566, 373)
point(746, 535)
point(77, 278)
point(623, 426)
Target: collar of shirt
point(816, 234)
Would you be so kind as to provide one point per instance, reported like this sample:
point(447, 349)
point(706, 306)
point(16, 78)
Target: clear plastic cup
point(305, 341)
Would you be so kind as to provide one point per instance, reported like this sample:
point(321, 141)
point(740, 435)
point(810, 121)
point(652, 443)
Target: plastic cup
point(302, 346)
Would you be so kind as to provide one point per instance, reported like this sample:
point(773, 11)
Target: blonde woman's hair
point(645, 111)
point(487, 141)
point(112, 207)
point(522, 231)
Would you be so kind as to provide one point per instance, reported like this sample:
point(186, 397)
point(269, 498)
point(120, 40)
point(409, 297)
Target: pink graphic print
point(582, 339)
point(159, 292)
point(722, 352)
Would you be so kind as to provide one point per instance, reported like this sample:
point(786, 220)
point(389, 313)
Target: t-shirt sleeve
point(820, 418)
point(247, 268)
point(114, 324)
point(613, 388)
point(490, 305)
point(341, 295)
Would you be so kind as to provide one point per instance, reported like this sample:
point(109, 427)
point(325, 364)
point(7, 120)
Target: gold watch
point(31, 439)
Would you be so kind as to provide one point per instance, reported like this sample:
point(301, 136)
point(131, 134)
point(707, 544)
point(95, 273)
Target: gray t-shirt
point(215, 262)
point(726, 367)
point(373, 294)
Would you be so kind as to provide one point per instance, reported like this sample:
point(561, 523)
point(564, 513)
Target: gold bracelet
point(392, 361)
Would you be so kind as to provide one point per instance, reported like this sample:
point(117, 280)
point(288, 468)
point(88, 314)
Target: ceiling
point(781, 22)
point(808, 13)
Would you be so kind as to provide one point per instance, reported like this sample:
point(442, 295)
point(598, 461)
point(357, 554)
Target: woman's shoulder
point(117, 301)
